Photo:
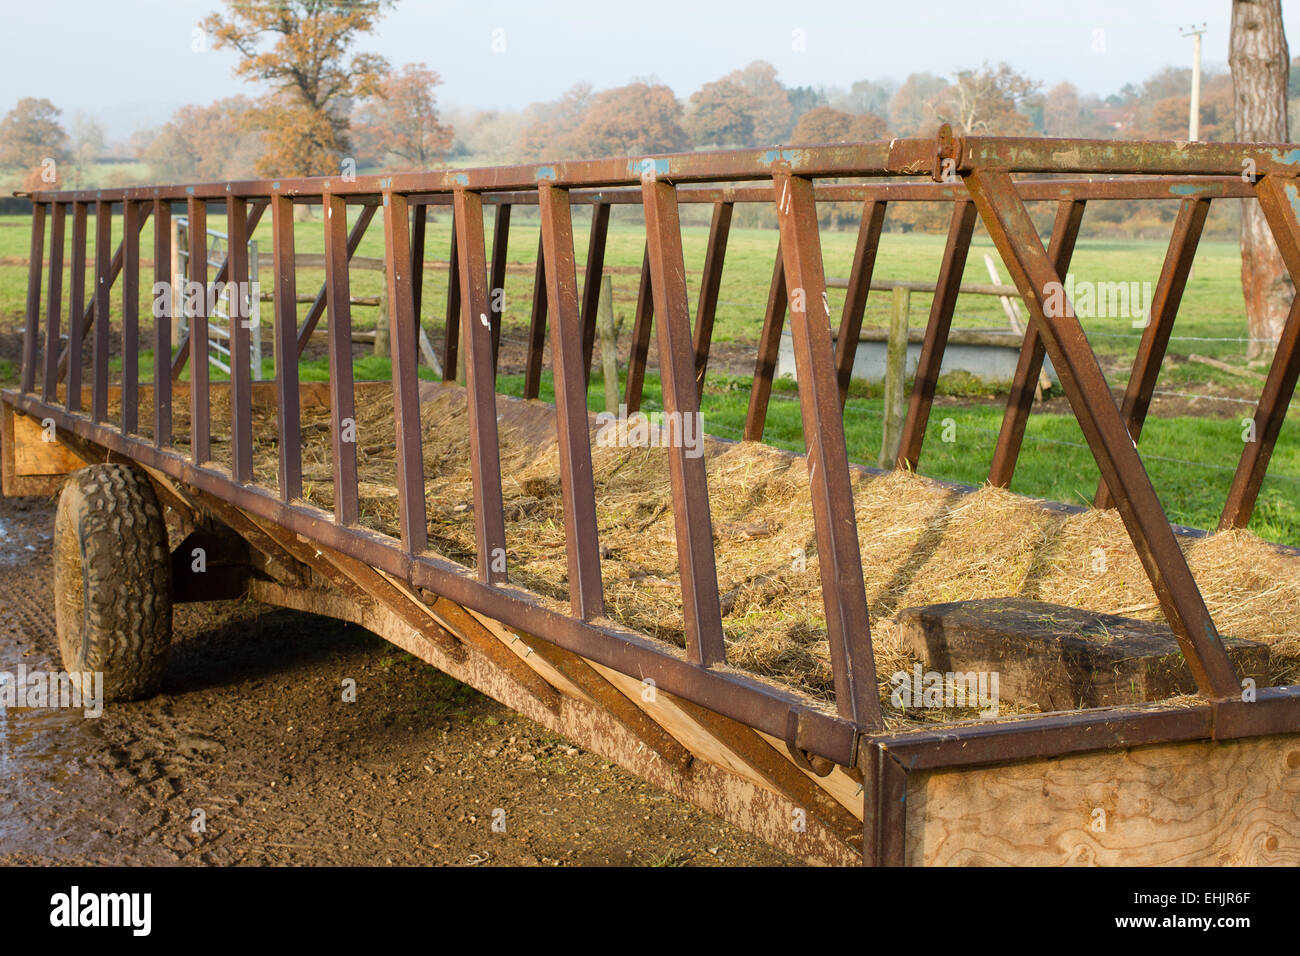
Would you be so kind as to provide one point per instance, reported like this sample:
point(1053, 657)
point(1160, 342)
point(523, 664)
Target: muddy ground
point(251, 756)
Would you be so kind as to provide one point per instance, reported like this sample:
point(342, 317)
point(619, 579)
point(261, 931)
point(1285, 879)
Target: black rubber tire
point(113, 580)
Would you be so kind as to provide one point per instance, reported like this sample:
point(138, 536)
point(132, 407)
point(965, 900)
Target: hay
point(921, 543)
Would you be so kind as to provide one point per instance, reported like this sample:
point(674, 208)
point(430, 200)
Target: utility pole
point(1194, 117)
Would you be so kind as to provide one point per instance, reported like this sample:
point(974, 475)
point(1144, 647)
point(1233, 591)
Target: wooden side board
point(30, 464)
point(1231, 803)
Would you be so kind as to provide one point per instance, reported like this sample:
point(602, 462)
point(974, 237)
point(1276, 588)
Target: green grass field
point(1190, 459)
point(1212, 305)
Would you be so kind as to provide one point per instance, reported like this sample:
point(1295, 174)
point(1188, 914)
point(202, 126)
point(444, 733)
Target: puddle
point(41, 748)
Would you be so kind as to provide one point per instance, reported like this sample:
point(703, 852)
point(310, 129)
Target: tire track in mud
point(251, 729)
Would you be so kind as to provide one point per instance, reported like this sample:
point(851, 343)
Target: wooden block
point(1061, 658)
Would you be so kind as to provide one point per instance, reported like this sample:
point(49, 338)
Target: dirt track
point(251, 729)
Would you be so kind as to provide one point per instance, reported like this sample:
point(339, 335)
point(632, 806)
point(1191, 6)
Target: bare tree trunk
point(1260, 63)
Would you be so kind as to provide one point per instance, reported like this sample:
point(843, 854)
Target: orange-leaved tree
point(629, 120)
point(33, 141)
point(825, 124)
point(400, 128)
point(303, 50)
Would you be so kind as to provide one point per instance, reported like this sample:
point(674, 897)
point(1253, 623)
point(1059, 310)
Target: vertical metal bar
point(592, 273)
point(1160, 323)
point(537, 325)
point(855, 298)
point(484, 450)
point(577, 483)
point(406, 385)
point(769, 349)
point(946, 290)
point(200, 408)
point(1065, 230)
point(88, 315)
point(50, 382)
point(694, 526)
point(342, 398)
point(641, 328)
point(891, 843)
point(240, 311)
point(451, 338)
point(77, 304)
point(710, 282)
point(130, 317)
point(1035, 276)
point(308, 327)
point(286, 350)
point(162, 323)
point(100, 350)
point(500, 245)
point(1279, 386)
point(31, 328)
point(840, 561)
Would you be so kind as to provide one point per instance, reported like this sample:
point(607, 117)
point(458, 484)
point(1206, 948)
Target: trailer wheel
point(112, 580)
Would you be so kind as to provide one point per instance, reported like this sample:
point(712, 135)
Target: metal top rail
point(945, 157)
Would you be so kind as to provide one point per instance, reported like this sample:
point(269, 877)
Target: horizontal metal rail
point(973, 177)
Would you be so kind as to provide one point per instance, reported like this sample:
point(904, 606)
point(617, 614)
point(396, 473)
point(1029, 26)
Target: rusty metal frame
point(852, 736)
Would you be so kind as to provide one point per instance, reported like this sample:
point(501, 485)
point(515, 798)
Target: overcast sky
point(130, 63)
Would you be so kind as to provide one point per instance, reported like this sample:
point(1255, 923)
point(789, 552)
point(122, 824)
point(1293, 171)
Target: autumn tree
point(986, 101)
point(909, 110)
point(303, 50)
point(722, 114)
point(804, 99)
point(401, 121)
point(490, 136)
point(1167, 118)
point(828, 125)
point(773, 114)
point(550, 125)
point(1259, 60)
point(204, 144)
point(867, 96)
point(630, 120)
point(30, 134)
point(1061, 111)
point(88, 144)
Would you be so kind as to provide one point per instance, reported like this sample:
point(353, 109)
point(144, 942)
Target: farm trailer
point(832, 778)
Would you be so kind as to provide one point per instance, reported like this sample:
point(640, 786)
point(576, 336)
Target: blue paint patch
point(639, 167)
point(460, 179)
point(1187, 189)
point(190, 190)
point(275, 185)
point(386, 198)
point(1290, 157)
point(386, 182)
point(792, 156)
point(546, 172)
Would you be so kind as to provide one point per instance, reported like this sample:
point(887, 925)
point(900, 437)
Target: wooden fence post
point(895, 373)
point(381, 324)
point(608, 343)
